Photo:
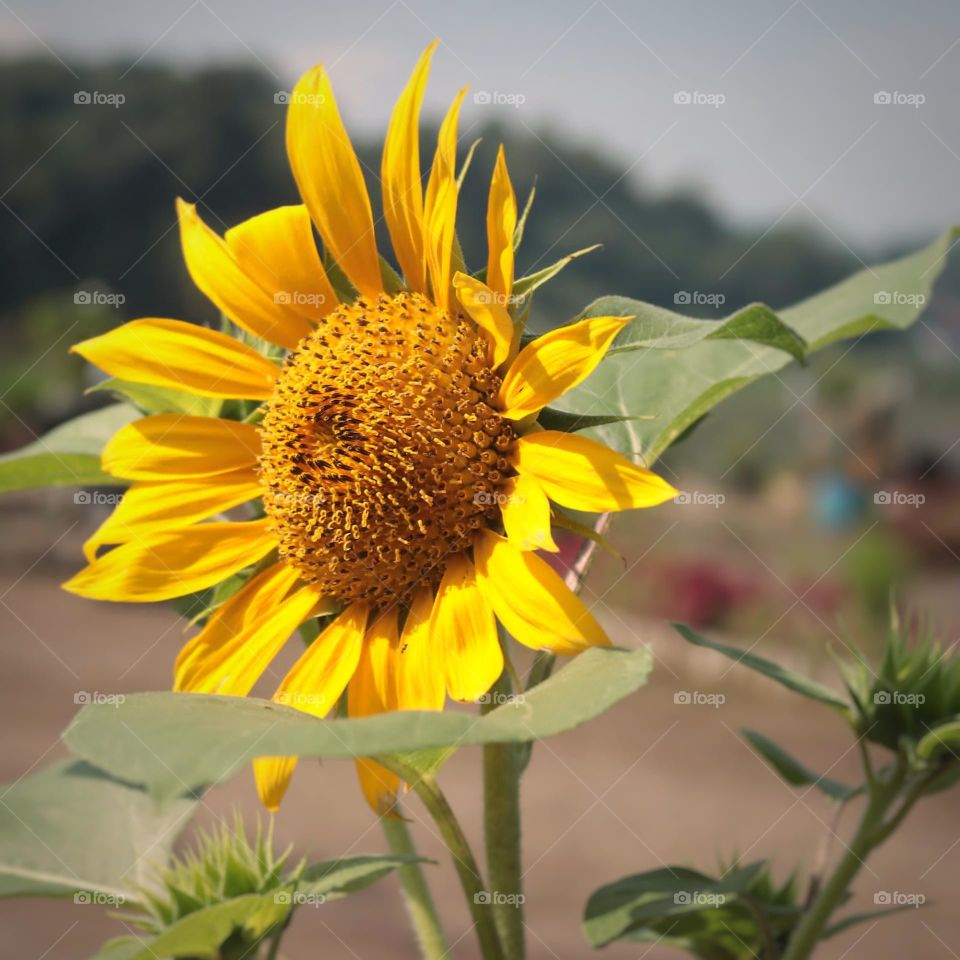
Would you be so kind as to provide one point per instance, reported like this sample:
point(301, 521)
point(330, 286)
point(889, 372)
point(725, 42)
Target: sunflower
point(382, 433)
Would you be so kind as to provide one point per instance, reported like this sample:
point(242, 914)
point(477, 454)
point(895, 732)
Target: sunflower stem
point(432, 797)
point(416, 893)
point(502, 768)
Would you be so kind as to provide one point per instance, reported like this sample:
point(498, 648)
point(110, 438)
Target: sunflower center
point(382, 448)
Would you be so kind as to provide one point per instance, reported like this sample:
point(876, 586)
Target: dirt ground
point(651, 783)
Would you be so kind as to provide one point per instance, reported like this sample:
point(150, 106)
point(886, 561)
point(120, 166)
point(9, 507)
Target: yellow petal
point(440, 206)
point(148, 507)
point(556, 363)
point(216, 272)
point(277, 249)
point(372, 690)
point(260, 595)
point(314, 684)
point(330, 180)
point(421, 681)
point(487, 310)
point(170, 445)
point(525, 511)
point(501, 224)
point(173, 563)
point(585, 475)
point(402, 178)
point(531, 600)
point(462, 624)
point(181, 356)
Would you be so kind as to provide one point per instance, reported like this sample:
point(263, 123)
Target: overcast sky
point(787, 127)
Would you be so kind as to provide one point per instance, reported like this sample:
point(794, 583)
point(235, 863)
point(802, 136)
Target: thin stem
point(478, 897)
point(501, 809)
point(416, 893)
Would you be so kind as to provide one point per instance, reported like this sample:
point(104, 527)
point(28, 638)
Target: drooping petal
point(198, 665)
point(402, 177)
point(216, 272)
point(487, 310)
point(421, 680)
point(330, 180)
point(170, 445)
point(314, 685)
point(440, 206)
point(277, 249)
point(585, 475)
point(173, 563)
point(531, 600)
point(501, 224)
point(556, 363)
point(181, 356)
point(148, 507)
point(525, 511)
point(372, 690)
point(462, 624)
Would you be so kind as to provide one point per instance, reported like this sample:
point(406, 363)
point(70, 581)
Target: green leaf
point(175, 742)
point(680, 384)
point(67, 456)
point(153, 399)
point(201, 934)
point(526, 285)
point(338, 878)
point(847, 922)
point(71, 829)
point(942, 739)
point(796, 773)
point(790, 680)
point(552, 419)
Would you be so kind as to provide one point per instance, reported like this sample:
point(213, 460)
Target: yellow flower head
point(405, 484)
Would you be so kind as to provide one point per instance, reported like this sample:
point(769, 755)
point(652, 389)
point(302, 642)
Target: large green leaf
point(792, 681)
point(177, 742)
point(661, 365)
point(69, 455)
point(333, 879)
point(71, 829)
point(153, 399)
